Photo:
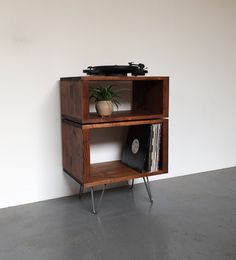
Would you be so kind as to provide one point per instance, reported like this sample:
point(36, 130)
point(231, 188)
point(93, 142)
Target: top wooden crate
point(149, 98)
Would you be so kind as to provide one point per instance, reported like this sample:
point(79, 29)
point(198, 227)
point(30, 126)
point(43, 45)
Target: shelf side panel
point(166, 97)
point(71, 99)
point(164, 146)
point(72, 141)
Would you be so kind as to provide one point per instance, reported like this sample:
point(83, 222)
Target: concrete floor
point(192, 217)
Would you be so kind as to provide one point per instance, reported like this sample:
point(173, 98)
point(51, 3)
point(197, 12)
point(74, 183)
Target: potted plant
point(105, 99)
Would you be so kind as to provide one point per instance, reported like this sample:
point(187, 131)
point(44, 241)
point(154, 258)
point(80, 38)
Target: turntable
point(117, 70)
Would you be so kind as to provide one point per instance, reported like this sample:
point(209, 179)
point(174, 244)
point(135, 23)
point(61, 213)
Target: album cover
point(136, 148)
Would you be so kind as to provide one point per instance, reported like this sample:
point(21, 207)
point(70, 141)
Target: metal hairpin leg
point(146, 182)
point(93, 206)
point(94, 211)
point(81, 189)
point(132, 184)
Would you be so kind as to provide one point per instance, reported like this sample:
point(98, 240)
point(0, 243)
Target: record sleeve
point(136, 148)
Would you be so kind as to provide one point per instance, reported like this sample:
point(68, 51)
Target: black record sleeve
point(136, 149)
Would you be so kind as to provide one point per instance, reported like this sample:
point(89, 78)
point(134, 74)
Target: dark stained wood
point(70, 122)
point(165, 98)
point(71, 99)
point(118, 116)
point(114, 124)
point(85, 100)
point(150, 105)
point(164, 146)
point(112, 172)
point(86, 154)
point(72, 146)
point(149, 98)
point(124, 123)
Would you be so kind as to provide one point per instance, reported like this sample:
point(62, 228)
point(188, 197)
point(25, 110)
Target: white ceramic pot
point(104, 108)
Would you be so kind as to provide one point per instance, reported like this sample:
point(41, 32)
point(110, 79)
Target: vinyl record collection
point(142, 148)
point(154, 148)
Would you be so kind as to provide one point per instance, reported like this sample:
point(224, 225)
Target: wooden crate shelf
point(149, 98)
point(149, 105)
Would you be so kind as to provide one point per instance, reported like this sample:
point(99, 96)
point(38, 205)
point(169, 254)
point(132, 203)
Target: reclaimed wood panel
point(73, 155)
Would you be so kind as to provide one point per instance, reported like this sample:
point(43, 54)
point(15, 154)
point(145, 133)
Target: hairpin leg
point(94, 211)
point(132, 184)
point(101, 197)
point(146, 182)
point(93, 203)
point(81, 190)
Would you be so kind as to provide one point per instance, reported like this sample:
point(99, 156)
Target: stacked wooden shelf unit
point(149, 105)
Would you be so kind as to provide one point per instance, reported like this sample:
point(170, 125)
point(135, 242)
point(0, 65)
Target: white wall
point(191, 41)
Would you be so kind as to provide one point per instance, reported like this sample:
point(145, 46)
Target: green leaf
point(105, 94)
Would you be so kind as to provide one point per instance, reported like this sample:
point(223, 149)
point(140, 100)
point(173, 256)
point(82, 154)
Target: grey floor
point(192, 217)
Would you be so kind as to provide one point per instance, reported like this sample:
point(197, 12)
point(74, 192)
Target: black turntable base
point(117, 70)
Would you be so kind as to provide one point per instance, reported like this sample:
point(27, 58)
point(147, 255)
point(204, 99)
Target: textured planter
point(104, 108)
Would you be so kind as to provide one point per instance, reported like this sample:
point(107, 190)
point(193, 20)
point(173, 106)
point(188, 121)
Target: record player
point(117, 70)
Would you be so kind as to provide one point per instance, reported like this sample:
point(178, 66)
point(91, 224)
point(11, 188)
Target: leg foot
point(93, 203)
point(94, 211)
